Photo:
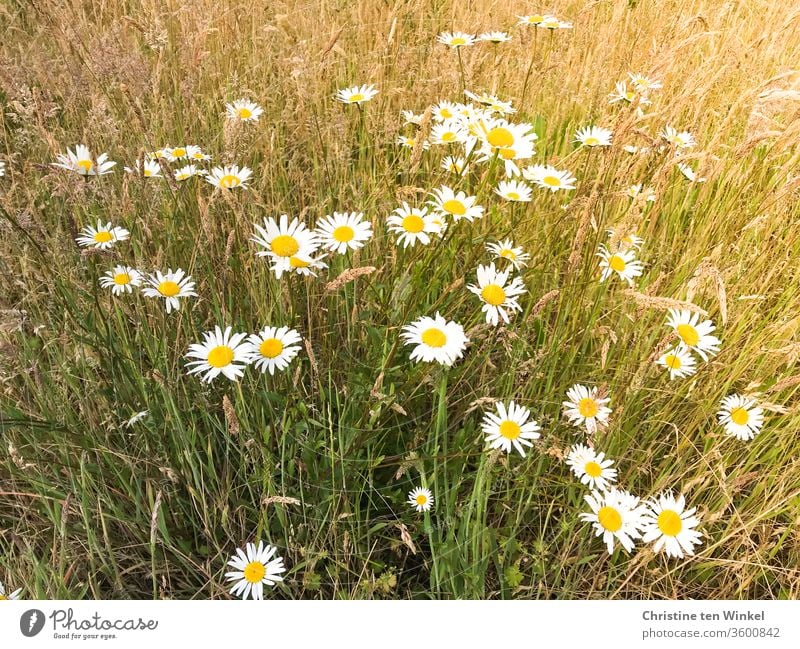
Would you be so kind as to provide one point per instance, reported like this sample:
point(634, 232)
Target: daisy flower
point(172, 286)
point(121, 279)
point(455, 40)
point(420, 499)
point(741, 416)
point(497, 297)
point(679, 362)
point(616, 514)
point(413, 224)
point(411, 142)
point(274, 348)
point(159, 154)
point(680, 140)
point(627, 241)
point(179, 152)
point(505, 250)
point(243, 110)
point(694, 334)
point(671, 526)
point(494, 37)
point(551, 22)
point(302, 264)
point(643, 83)
point(188, 171)
point(228, 177)
point(343, 231)
point(593, 136)
point(410, 117)
point(514, 191)
point(584, 407)
point(454, 165)
point(219, 353)
point(458, 205)
point(549, 177)
point(510, 142)
point(283, 240)
point(102, 237)
point(356, 94)
point(254, 568)
point(435, 339)
point(194, 152)
point(444, 110)
point(451, 131)
point(510, 427)
point(591, 468)
point(628, 95)
point(9, 596)
point(492, 102)
point(622, 262)
point(533, 20)
point(635, 191)
point(82, 163)
point(690, 173)
point(151, 169)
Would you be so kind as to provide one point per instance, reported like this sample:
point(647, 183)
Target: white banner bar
point(404, 624)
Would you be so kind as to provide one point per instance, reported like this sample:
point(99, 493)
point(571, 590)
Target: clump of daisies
point(253, 568)
point(694, 336)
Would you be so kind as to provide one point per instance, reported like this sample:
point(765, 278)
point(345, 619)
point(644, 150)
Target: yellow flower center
point(86, 165)
point(297, 262)
point(609, 518)
point(593, 469)
point(552, 181)
point(244, 113)
point(434, 337)
point(254, 572)
point(587, 407)
point(739, 416)
point(508, 154)
point(617, 263)
point(357, 97)
point(493, 294)
point(445, 112)
point(3, 598)
point(509, 429)
point(500, 137)
point(449, 136)
point(669, 522)
point(413, 223)
point(454, 206)
point(271, 348)
point(673, 361)
point(535, 20)
point(285, 245)
point(457, 41)
point(629, 95)
point(104, 236)
point(507, 253)
point(122, 278)
point(197, 156)
point(688, 334)
point(229, 180)
point(220, 356)
point(591, 141)
point(421, 499)
point(168, 288)
point(343, 234)
point(178, 153)
point(514, 196)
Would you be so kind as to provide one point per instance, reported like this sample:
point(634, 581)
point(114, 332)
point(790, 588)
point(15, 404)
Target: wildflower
point(549, 177)
point(436, 339)
point(628, 95)
point(458, 205)
point(741, 416)
point(679, 362)
point(505, 250)
point(551, 22)
point(671, 525)
point(410, 117)
point(510, 427)
point(627, 241)
point(301, 264)
point(254, 568)
point(121, 279)
point(533, 20)
point(616, 514)
point(689, 173)
point(172, 286)
point(591, 468)
point(188, 171)
point(622, 262)
point(497, 297)
point(356, 94)
point(444, 110)
point(102, 237)
point(413, 224)
point(9, 596)
point(585, 407)
point(82, 163)
point(420, 499)
point(451, 131)
point(635, 191)
point(274, 348)
point(694, 334)
point(680, 140)
point(411, 142)
point(229, 177)
point(219, 353)
point(243, 110)
point(187, 151)
point(343, 231)
point(491, 102)
point(509, 142)
point(455, 40)
point(593, 136)
point(514, 191)
point(454, 165)
point(283, 240)
point(494, 37)
point(643, 83)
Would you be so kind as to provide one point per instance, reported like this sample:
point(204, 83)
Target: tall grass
point(89, 508)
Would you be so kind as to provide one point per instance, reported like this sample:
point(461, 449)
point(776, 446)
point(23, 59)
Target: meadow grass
point(318, 459)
